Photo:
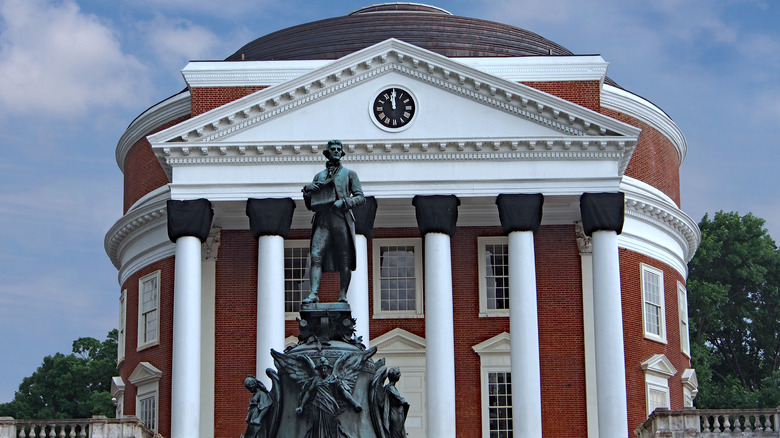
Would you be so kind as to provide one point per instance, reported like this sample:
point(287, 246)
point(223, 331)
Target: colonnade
point(520, 215)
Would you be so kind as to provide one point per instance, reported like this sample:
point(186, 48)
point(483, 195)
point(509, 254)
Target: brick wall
point(584, 93)
point(143, 172)
point(208, 98)
point(158, 355)
point(637, 348)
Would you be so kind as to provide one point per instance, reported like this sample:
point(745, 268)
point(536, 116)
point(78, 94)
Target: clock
point(393, 108)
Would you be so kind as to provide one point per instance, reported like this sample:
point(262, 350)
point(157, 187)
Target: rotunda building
point(522, 257)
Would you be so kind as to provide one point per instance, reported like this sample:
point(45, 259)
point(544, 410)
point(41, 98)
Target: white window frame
point(141, 324)
point(146, 379)
point(291, 316)
point(661, 336)
point(122, 327)
point(377, 244)
point(494, 357)
point(682, 307)
point(658, 369)
point(690, 387)
point(482, 242)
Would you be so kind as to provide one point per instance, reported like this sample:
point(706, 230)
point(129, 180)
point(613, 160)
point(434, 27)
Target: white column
point(608, 328)
point(357, 294)
point(270, 302)
point(439, 336)
point(185, 371)
point(524, 340)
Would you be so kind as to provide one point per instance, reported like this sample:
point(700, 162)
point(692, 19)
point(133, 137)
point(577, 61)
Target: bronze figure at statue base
point(328, 385)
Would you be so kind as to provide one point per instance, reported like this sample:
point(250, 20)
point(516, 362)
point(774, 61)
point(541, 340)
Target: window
point(496, 386)
point(657, 370)
point(397, 269)
point(120, 340)
point(147, 410)
point(500, 404)
point(493, 276)
point(148, 305)
point(296, 275)
point(653, 299)
point(682, 306)
point(146, 378)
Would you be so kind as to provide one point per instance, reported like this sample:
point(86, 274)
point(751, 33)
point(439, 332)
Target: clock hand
point(392, 98)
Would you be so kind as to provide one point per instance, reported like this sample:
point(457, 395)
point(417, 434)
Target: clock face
point(393, 108)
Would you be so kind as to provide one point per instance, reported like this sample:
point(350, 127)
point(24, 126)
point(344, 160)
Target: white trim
point(690, 387)
point(626, 102)
point(682, 309)
point(170, 109)
point(377, 244)
point(482, 242)
point(154, 276)
point(494, 356)
point(122, 327)
point(146, 378)
point(658, 369)
point(118, 395)
point(294, 243)
point(661, 335)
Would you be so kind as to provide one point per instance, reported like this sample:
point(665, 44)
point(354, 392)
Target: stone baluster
point(436, 219)
point(357, 294)
point(269, 221)
point(521, 216)
point(189, 223)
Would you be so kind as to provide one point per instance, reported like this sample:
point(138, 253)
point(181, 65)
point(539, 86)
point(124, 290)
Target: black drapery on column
point(364, 217)
point(602, 212)
point(270, 216)
point(436, 213)
point(189, 218)
point(520, 212)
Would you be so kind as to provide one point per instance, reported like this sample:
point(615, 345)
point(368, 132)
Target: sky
point(75, 73)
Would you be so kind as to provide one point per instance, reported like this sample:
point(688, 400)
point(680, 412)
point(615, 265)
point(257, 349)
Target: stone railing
point(95, 427)
point(710, 423)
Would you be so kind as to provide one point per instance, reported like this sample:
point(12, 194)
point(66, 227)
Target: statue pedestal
point(322, 323)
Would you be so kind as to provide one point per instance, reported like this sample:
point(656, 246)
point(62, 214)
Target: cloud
point(175, 41)
point(57, 60)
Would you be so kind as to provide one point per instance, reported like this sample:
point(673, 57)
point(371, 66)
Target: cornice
point(153, 213)
point(170, 109)
point(393, 55)
point(648, 204)
point(623, 101)
point(516, 69)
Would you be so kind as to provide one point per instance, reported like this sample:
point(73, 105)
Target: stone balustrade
point(711, 423)
point(96, 427)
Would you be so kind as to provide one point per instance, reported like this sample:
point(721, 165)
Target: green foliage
point(76, 385)
point(734, 312)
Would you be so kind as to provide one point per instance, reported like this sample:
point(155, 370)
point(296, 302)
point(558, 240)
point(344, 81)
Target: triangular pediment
point(145, 373)
point(399, 341)
point(461, 110)
point(498, 344)
point(659, 364)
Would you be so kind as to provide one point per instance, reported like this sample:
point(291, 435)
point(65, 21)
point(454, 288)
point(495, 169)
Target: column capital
point(364, 217)
point(270, 216)
point(520, 212)
point(189, 218)
point(436, 213)
point(602, 212)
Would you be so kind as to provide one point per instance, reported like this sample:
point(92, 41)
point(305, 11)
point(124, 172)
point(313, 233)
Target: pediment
point(461, 111)
point(145, 373)
point(498, 344)
point(399, 341)
point(659, 364)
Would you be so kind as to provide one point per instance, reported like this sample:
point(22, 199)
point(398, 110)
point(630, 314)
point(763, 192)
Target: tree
point(734, 308)
point(76, 385)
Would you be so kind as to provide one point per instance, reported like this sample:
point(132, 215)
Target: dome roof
point(424, 26)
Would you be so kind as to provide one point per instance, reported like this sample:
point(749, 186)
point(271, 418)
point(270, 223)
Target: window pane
point(148, 411)
point(500, 404)
point(397, 278)
point(497, 276)
point(296, 277)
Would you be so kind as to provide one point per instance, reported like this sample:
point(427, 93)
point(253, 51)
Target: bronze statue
point(259, 406)
point(324, 389)
point(388, 408)
point(332, 195)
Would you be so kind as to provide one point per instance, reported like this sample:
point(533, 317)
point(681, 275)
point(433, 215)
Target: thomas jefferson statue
point(332, 195)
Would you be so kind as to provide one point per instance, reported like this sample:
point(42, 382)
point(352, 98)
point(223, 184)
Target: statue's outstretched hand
point(339, 204)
